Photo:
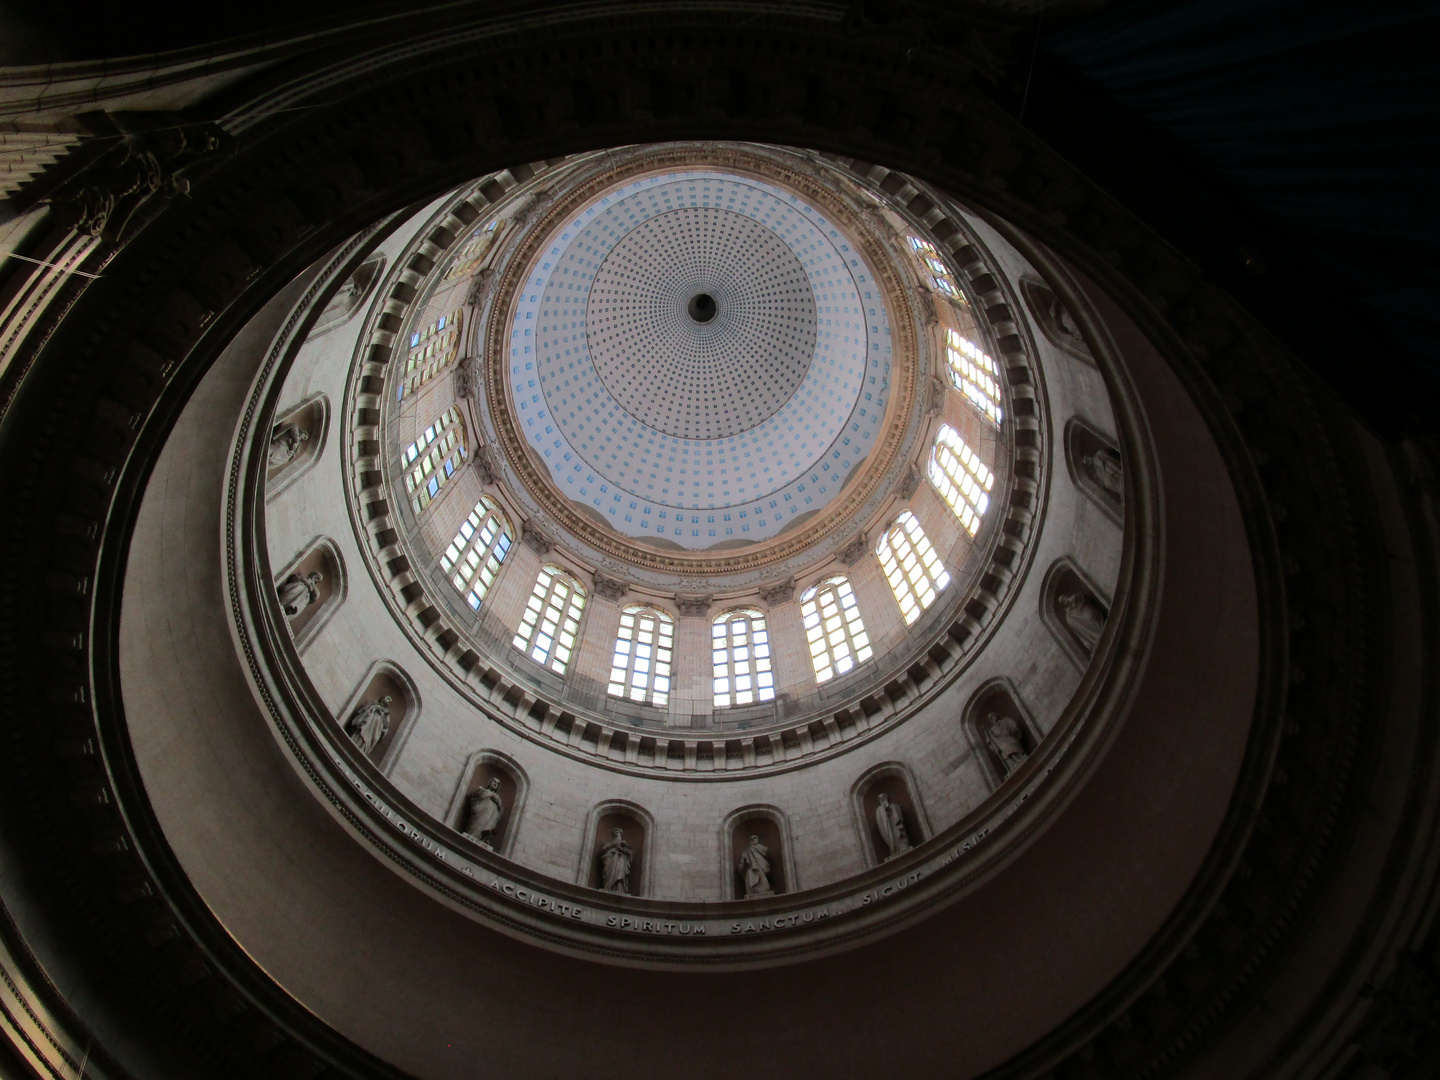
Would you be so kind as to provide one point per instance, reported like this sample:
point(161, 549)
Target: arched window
point(477, 551)
point(552, 619)
point(836, 633)
point(961, 478)
point(643, 651)
point(431, 348)
point(911, 566)
point(472, 251)
point(433, 458)
point(742, 658)
point(974, 375)
point(939, 272)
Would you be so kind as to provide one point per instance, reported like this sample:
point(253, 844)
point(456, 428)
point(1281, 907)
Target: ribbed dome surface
point(655, 417)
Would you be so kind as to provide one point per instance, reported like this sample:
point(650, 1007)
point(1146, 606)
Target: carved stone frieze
point(101, 198)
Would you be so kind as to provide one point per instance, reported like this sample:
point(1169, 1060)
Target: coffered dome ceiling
point(700, 341)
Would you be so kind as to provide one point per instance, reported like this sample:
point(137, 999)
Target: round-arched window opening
point(702, 307)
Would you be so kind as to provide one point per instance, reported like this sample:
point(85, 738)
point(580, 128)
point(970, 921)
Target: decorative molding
point(779, 593)
point(465, 381)
point(535, 539)
point(856, 550)
point(609, 588)
point(911, 483)
point(101, 199)
point(693, 605)
point(936, 391)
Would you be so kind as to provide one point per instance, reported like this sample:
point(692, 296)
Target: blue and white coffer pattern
point(700, 433)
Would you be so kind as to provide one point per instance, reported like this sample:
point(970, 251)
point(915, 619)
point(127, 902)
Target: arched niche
point(313, 607)
point(382, 680)
point(896, 784)
point(997, 700)
point(636, 825)
point(481, 768)
point(1054, 320)
point(297, 439)
point(1096, 467)
point(1074, 610)
point(773, 830)
point(350, 297)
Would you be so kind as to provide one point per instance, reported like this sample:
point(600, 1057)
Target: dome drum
point(923, 667)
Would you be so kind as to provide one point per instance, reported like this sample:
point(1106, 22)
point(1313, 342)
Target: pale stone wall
point(686, 852)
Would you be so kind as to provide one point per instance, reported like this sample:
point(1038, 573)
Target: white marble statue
point(297, 593)
point(755, 869)
point(285, 444)
point(616, 858)
point(1082, 617)
point(1002, 735)
point(369, 724)
point(482, 813)
point(1107, 471)
point(890, 820)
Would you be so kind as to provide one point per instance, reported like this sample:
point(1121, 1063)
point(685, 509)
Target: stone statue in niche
point(755, 869)
point(615, 860)
point(1002, 735)
point(1104, 465)
point(1064, 322)
point(285, 445)
point(369, 724)
point(297, 593)
point(1082, 617)
point(1055, 319)
point(344, 300)
point(482, 813)
point(890, 820)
